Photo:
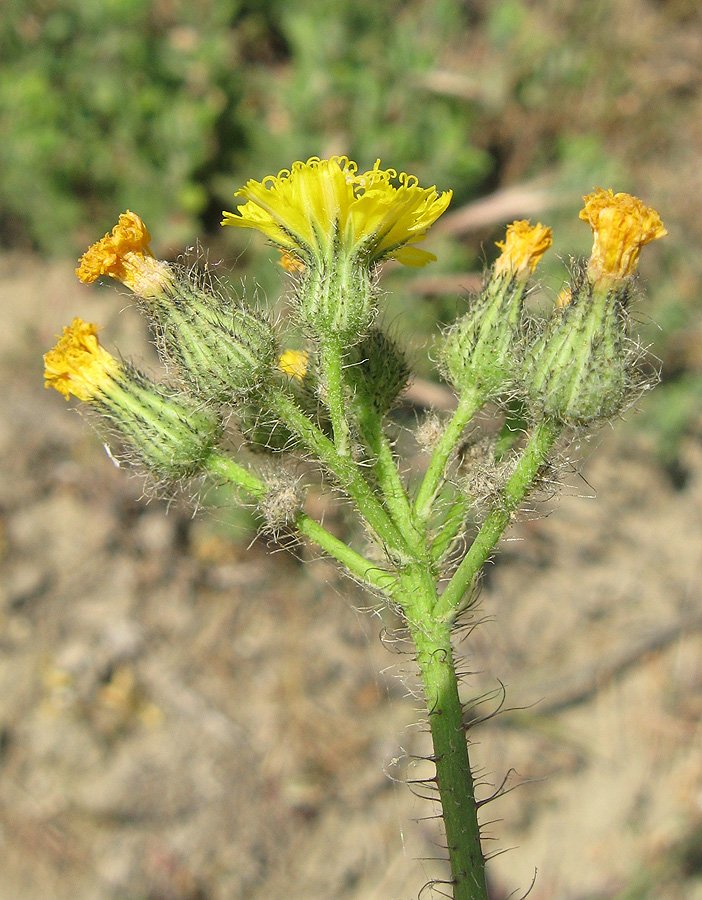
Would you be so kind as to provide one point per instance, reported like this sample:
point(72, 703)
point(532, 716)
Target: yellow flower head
point(522, 248)
point(294, 363)
point(621, 225)
point(124, 254)
point(308, 207)
point(78, 365)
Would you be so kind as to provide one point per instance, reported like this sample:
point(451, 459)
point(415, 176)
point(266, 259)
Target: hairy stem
point(343, 468)
point(533, 458)
point(221, 466)
point(389, 479)
point(452, 525)
point(454, 778)
point(468, 405)
point(332, 368)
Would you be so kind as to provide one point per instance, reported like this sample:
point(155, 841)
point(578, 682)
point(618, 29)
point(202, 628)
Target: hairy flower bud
point(377, 371)
point(579, 371)
point(222, 349)
point(171, 434)
point(583, 368)
point(479, 352)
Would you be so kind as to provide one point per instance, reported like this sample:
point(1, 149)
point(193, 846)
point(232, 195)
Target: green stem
point(514, 426)
point(357, 565)
point(468, 405)
point(454, 778)
point(450, 528)
point(534, 456)
point(332, 368)
point(222, 466)
point(344, 469)
point(389, 479)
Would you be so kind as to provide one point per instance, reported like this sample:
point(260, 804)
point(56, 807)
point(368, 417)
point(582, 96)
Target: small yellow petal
point(294, 363)
point(564, 298)
point(522, 248)
point(78, 365)
point(291, 263)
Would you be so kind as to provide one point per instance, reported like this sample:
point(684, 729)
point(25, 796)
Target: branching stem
point(343, 468)
point(468, 405)
point(221, 466)
point(390, 481)
point(533, 458)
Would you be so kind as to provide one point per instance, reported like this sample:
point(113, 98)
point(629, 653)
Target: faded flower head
point(621, 225)
point(322, 203)
point(124, 254)
point(78, 365)
point(522, 248)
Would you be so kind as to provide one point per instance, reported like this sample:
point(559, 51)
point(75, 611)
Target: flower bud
point(336, 297)
point(480, 351)
point(377, 371)
point(579, 371)
point(171, 434)
point(223, 350)
point(583, 368)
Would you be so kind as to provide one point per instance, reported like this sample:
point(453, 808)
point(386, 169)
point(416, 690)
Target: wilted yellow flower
point(78, 365)
point(621, 225)
point(124, 254)
point(294, 363)
point(313, 205)
point(522, 248)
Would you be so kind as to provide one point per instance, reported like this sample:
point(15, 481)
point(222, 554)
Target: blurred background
point(183, 717)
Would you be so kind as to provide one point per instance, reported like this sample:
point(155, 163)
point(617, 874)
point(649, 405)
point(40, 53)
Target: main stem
point(454, 778)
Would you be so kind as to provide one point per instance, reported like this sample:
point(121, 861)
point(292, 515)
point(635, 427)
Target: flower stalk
point(330, 403)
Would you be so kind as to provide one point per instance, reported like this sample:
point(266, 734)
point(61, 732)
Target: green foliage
point(109, 105)
point(167, 107)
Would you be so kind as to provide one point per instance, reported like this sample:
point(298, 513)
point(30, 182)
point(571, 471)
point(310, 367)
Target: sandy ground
point(185, 717)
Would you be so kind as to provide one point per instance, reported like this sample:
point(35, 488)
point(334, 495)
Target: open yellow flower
point(78, 365)
point(621, 225)
point(522, 248)
point(124, 254)
point(316, 205)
